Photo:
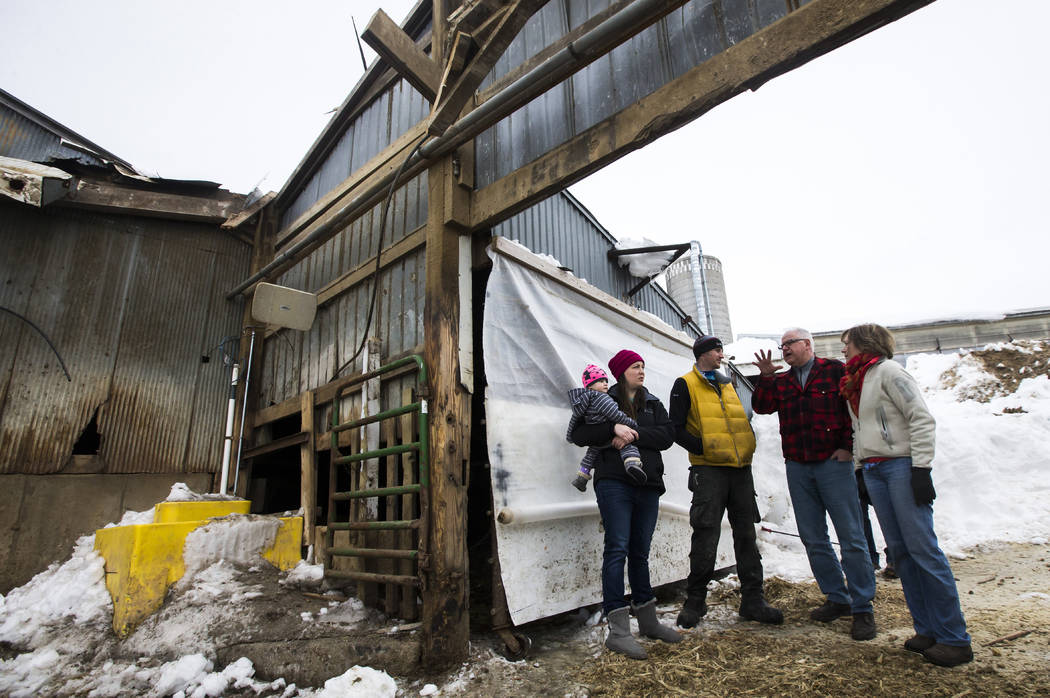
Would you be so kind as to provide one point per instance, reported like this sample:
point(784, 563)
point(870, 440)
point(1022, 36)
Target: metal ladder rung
point(375, 525)
point(379, 453)
point(374, 552)
point(373, 577)
point(380, 492)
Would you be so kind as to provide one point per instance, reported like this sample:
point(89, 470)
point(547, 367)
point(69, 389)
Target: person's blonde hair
point(870, 339)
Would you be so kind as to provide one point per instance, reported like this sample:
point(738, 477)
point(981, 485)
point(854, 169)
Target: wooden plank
point(811, 31)
point(97, 195)
point(323, 394)
point(308, 468)
point(451, 99)
point(363, 271)
point(239, 218)
point(445, 618)
point(409, 509)
point(397, 49)
point(276, 445)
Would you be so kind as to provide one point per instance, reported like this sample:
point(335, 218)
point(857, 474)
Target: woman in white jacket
point(893, 440)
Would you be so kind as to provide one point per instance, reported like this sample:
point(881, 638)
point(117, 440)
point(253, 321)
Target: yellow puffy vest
point(719, 421)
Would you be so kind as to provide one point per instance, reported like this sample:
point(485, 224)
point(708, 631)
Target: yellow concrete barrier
point(143, 560)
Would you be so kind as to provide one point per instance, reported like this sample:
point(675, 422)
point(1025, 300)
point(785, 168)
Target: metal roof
point(28, 134)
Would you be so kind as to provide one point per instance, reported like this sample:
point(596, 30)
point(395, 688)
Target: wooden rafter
point(397, 49)
point(813, 30)
point(451, 99)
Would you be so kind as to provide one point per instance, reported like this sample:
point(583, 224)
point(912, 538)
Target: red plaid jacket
point(814, 420)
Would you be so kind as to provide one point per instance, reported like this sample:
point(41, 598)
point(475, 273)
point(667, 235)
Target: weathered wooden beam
point(409, 243)
point(471, 14)
point(397, 48)
point(445, 612)
point(813, 30)
point(451, 99)
point(237, 219)
point(322, 395)
point(31, 183)
point(308, 468)
point(98, 195)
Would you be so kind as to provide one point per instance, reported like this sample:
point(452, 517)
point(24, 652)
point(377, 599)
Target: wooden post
point(308, 469)
point(445, 619)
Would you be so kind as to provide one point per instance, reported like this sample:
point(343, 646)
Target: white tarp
point(539, 335)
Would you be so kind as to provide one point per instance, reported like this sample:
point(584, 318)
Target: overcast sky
point(899, 178)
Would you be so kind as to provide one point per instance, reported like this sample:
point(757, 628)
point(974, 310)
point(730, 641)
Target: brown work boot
point(919, 643)
point(830, 611)
point(948, 655)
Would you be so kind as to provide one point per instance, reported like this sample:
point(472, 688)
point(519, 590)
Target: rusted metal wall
point(131, 304)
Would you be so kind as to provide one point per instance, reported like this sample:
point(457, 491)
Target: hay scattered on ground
point(798, 658)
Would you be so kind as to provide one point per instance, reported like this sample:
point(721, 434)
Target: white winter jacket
point(894, 421)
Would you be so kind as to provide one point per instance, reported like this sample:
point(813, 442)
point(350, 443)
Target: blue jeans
point(819, 490)
point(629, 516)
point(926, 577)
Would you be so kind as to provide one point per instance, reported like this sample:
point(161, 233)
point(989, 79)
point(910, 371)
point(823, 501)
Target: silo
point(695, 282)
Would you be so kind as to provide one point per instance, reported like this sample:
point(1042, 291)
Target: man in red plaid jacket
point(817, 441)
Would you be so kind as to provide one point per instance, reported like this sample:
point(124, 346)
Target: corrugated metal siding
point(560, 227)
point(21, 138)
point(131, 304)
point(682, 40)
point(383, 121)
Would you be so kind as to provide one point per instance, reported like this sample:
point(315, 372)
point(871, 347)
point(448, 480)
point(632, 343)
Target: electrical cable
point(379, 256)
point(46, 339)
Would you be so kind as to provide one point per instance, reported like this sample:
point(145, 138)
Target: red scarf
point(851, 383)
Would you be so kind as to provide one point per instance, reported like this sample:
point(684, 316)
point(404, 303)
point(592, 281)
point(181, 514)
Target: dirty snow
point(987, 473)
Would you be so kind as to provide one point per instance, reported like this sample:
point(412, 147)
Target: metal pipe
point(581, 51)
point(227, 447)
point(244, 409)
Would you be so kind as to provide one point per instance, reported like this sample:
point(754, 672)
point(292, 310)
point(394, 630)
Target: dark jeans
point(716, 489)
point(629, 517)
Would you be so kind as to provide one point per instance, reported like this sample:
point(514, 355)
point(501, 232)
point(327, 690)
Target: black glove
point(922, 486)
point(862, 489)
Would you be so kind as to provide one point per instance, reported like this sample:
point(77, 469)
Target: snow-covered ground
point(991, 473)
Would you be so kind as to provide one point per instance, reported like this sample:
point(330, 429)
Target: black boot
point(756, 608)
point(691, 613)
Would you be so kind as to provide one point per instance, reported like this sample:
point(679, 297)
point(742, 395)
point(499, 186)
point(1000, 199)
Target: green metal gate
point(356, 519)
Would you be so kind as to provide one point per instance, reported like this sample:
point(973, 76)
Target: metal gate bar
point(419, 489)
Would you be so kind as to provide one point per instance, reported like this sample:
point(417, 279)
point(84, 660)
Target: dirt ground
point(1005, 591)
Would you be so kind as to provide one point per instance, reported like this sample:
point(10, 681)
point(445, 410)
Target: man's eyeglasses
point(788, 343)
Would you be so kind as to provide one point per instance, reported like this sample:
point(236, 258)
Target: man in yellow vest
point(711, 424)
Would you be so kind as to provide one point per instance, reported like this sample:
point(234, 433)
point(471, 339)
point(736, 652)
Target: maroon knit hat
point(624, 358)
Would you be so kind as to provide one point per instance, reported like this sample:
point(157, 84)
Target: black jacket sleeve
point(680, 405)
point(596, 435)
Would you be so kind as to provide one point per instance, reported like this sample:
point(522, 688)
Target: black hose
point(46, 339)
point(379, 257)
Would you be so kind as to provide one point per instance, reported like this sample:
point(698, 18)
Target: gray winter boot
point(650, 626)
point(620, 639)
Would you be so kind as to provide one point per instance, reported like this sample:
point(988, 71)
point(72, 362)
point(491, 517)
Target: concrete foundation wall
point(41, 516)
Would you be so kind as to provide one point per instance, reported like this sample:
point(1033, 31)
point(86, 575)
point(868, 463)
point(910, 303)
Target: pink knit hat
point(592, 374)
point(623, 359)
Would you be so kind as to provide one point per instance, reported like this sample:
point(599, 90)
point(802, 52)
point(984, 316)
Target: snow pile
point(60, 621)
point(643, 265)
